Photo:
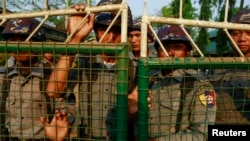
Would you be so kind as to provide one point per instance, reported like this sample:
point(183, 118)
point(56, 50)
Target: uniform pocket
point(164, 111)
point(11, 106)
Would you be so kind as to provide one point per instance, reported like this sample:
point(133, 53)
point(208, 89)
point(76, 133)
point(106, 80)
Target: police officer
point(22, 99)
point(134, 37)
point(241, 37)
point(233, 84)
point(98, 85)
point(183, 102)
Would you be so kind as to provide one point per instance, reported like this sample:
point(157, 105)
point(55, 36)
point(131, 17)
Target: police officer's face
point(113, 35)
point(134, 37)
point(174, 50)
point(135, 40)
point(21, 57)
point(242, 39)
point(48, 56)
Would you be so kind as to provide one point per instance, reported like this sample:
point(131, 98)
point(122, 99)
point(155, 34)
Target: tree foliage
point(221, 39)
point(206, 9)
point(39, 5)
point(205, 15)
point(188, 11)
point(172, 11)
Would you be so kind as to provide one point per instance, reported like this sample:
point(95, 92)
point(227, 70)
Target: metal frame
point(225, 25)
point(144, 63)
point(122, 10)
point(120, 50)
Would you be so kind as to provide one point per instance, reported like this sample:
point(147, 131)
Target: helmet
point(105, 18)
point(137, 27)
point(23, 27)
point(107, 2)
point(242, 16)
point(137, 24)
point(173, 33)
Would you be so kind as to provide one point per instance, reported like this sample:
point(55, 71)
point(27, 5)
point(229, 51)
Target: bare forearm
point(58, 79)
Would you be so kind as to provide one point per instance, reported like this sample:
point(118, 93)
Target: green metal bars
point(146, 64)
point(120, 51)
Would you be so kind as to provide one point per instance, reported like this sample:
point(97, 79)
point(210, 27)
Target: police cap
point(243, 16)
point(23, 27)
point(173, 33)
point(105, 18)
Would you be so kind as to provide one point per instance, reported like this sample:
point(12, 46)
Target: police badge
point(206, 95)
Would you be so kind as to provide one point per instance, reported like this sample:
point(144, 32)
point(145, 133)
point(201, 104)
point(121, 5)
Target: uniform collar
point(37, 71)
point(176, 74)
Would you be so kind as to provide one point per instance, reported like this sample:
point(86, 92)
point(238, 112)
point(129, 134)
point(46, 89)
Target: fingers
point(42, 120)
point(78, 25)
point(60, 115)
point(92, 19)
point(135, 93)
point(68, 25)
point(79, 7)
point(150, 92)
point(150, 98)
point(64, 116)
point(136, 89)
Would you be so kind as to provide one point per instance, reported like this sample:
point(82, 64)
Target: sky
point(136, 6)
point(153, 6)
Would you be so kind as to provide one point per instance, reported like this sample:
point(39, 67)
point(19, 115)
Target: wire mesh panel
point(185, 102)
point(96, 94)
point(96, 97)
point(198, 92)
point(173, 115)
